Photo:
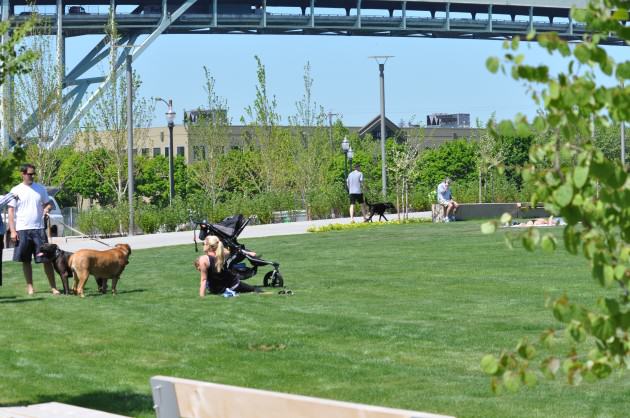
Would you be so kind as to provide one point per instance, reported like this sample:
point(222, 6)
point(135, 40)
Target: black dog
point(59, 259)
point(379, 209)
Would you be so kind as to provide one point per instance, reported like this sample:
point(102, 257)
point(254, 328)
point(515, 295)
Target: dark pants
point(245, 288)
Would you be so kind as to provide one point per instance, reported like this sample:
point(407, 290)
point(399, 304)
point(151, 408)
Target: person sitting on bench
point(445, 199)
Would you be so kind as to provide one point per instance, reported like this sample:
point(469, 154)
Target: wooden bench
point(468, 211)
point(174, 398)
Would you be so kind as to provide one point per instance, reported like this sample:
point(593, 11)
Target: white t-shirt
point(443, 193)
point(355, 180)
point(29, 205)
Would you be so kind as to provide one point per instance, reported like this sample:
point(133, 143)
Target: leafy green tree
point(15, 58)
point(209, 137)
point(576, 181)
point(402, 169)
point(310, 162)
point(39, 93)
point(107, 123)
point(454, 159)
point(490, 158)
point(265, 136)
point(152, 181)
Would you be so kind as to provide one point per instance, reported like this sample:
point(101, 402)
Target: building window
point(166, 151)
point(161, 136)
point(156, 152)
point(134, 151)
point(145, 151)
point(180, 151)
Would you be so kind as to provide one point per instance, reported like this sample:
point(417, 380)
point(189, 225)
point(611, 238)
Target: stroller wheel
point(273, 279)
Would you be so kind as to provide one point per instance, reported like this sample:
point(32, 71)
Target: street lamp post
point(170, 119)
point(345, 147)
point(381, 60)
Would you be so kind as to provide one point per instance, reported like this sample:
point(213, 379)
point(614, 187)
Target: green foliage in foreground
point(577, 181)
point(397, 315)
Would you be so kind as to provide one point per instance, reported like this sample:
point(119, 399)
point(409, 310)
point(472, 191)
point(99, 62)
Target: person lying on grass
point(215, 278)
point(551, 221)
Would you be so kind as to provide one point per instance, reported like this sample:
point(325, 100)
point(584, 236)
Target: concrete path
point(186, 237)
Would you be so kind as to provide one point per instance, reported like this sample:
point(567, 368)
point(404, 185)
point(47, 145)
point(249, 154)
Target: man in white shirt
point(445, 199)
point(26, 222)
point(355, 188)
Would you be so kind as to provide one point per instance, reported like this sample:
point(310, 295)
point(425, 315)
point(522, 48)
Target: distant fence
point(70, 217)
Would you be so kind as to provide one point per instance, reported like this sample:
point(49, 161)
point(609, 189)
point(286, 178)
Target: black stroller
point(228, 231)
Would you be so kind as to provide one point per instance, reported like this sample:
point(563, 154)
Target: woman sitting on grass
point(215, 277)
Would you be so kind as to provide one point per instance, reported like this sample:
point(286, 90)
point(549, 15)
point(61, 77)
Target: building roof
point(375, 124)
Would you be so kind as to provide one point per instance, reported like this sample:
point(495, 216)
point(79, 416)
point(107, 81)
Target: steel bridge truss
point(411, 18)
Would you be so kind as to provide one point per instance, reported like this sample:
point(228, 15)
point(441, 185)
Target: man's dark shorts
point(29, 244)
point(356, 198)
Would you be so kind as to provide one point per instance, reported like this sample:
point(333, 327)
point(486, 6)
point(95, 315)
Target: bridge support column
point(404, 15)
point(6, 109)
point(489, 18)
point(215, 12)
point(447, 23)
point(61, 65)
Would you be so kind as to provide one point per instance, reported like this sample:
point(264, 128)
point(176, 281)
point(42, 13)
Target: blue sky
point(425, 76)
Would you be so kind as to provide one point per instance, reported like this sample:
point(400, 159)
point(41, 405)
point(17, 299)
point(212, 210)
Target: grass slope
point(397, 315)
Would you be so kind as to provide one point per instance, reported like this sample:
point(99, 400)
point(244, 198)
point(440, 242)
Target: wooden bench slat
point(211, 400)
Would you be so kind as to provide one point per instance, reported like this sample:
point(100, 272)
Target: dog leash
point(82, 235)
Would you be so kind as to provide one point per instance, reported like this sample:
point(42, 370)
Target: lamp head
point(350, 153)
point(170, 114)
point(345, 144)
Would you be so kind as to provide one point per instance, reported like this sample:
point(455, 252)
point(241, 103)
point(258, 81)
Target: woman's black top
point(218, 282)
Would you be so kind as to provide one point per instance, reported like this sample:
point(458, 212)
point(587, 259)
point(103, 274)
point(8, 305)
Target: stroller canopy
point(231, 226)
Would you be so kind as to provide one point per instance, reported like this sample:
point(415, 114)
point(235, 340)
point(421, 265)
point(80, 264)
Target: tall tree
point(265, 136)
point(15, 58)
point(38, 104)
point(590, 192)
point(209, 137)
point(107, 123)
point(310, 145)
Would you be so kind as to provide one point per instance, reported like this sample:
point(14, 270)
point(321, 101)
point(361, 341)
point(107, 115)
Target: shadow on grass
point(13, 299)
point(109, 293)
point(120, 403)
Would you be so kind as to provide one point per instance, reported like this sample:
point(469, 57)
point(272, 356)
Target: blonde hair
point(213, 243)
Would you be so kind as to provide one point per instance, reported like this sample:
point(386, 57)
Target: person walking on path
point(4, 200)
point(27, 210)
point(355, 189)
point(445, 199)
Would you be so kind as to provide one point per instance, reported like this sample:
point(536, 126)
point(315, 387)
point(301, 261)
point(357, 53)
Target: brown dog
point(103, 265)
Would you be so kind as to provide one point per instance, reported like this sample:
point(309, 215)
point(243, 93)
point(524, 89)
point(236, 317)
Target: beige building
point(157, 139)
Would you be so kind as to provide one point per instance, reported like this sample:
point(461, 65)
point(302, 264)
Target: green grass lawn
point(396, 315)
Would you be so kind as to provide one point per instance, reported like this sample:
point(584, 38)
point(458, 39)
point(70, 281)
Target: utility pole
point(381, 60)
point(130, 179)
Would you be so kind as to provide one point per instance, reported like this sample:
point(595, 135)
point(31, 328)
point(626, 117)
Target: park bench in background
point(469, 211)
point(174, 398)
